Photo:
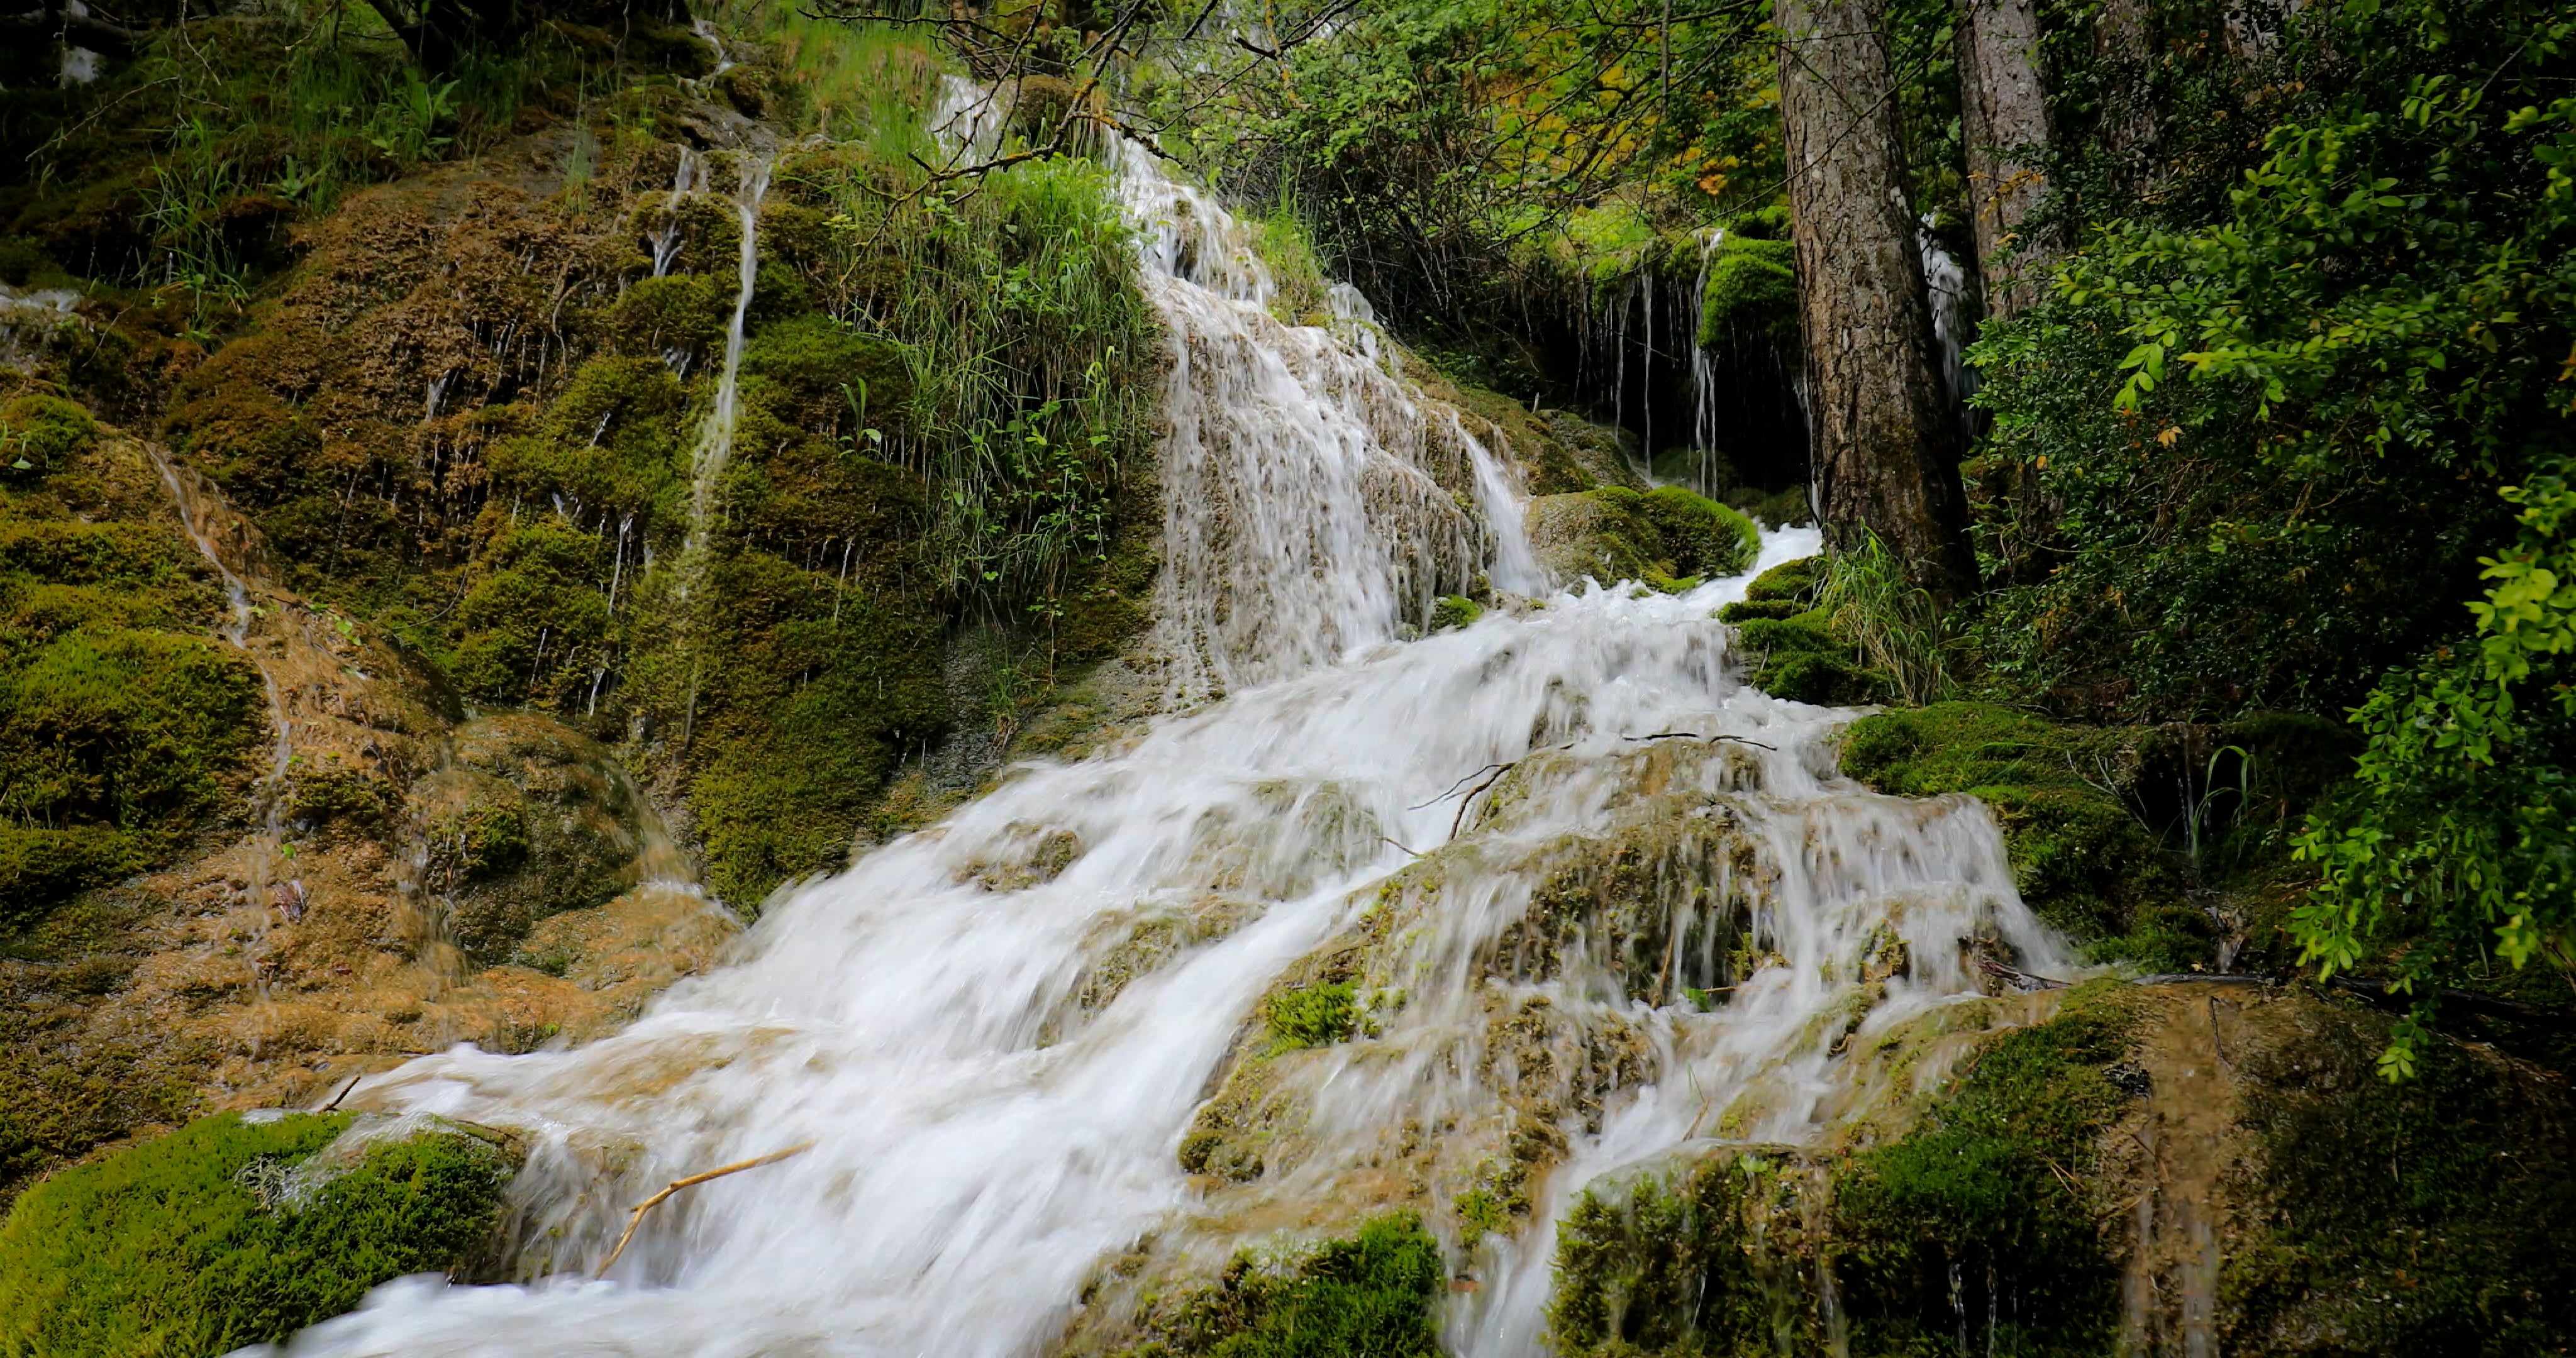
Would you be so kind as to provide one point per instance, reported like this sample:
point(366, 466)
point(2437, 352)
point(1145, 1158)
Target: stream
point(982, 1137)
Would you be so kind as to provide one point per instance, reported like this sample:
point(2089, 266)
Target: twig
point(1452, 788)
point(737, 1167)
point(2023, 979)
point(344, 1092)
point(1694, 735)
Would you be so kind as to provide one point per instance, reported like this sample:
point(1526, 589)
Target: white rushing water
point(986, 1128)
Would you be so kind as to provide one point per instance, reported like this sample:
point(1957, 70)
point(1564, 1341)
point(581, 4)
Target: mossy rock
point(1668, 538)
point(240, 1230)
point(128, 732)
point(2080, 857)
point(1454, 610)
point(1796, 653)
point(528, 819)
point(40, 435)
point(1752, 294)
point(1375, 1294)
point(1689, 1256)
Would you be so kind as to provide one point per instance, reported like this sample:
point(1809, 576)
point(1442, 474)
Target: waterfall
point(996, 1064)
point(1947, 285)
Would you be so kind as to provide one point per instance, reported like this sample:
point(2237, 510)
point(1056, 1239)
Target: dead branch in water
point(637, 1218)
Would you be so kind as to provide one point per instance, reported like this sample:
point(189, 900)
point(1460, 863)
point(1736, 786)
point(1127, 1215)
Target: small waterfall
point(195, 503)
point(1947, 284)
point(995, 1065)
point(690, 177)
point(1302, 518)
point(715, 437)
point(1703, 378)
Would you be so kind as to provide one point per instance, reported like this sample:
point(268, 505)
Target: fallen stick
point(637, 1217)
point(344, 1092)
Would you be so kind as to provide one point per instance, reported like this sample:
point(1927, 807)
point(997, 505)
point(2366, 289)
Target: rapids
point(982, 1136)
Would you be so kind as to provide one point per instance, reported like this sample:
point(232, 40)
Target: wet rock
point(527, 820)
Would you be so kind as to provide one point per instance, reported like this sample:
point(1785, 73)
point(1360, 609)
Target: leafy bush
point(190, 1245)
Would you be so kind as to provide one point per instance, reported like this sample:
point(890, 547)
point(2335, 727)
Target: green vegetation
point(2434, 1216)
point(1986, 1194)
point(2066, 797)
point(1669, 537)
point(1693, 1261)
point(224, 1234)
point(121, 727)
point(1312, 1016)
point(1375, 1295)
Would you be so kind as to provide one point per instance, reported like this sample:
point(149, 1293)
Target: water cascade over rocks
point(999, 1032)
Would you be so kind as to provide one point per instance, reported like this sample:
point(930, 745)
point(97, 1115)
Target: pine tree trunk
point(1886, 439)
point(2003, 114)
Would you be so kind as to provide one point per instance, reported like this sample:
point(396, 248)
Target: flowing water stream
point(990, 1116)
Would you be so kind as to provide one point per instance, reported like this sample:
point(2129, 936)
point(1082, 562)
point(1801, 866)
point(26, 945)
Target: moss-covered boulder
point(2113, 1168)
point(527, 819)
point(241, 1229)
point(1375, 1294)
point(2065, 796)
point(1669, 538)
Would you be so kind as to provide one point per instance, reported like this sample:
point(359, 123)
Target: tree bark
point(2004, 116)
point(1887, 442)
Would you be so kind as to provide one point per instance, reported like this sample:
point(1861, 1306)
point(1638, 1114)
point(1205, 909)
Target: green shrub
point(189, 1245)
point(1455, 610)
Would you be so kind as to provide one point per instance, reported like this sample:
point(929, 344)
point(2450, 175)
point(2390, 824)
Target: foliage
point(1984, 1196)
point(186, 1245)
point(2269, 429)
point(1468, 163)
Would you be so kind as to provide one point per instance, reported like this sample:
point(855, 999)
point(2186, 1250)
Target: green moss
point(2080, 857)
point(201, 1242)
point(1980, 1205)
point(122, 731)
point(1374, 1295)
point(1314, 1016)
point(1784, 591)
point(1669, 538)
point(1703, 1260)
point(537, 627)
point(2438, 1216)
point(1455, 610)
point(1752, 294)
point(44, 433)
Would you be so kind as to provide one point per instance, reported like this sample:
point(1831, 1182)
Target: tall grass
point(1030, 351)
point(1898, 628)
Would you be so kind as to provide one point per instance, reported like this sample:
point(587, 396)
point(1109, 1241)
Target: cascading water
point(995, 1073)
point(715, 438)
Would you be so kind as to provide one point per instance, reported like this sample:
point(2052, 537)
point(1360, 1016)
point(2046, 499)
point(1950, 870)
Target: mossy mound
point(1794, 649)
point(231, 1232)
point(2081, 858)
point(1374, 1295)
point(1988, 1197)
point(1668, 538)
point(1688, 1259)
point(120, 727)
point(529, 819)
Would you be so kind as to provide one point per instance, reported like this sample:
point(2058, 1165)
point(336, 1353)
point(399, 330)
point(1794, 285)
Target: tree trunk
point(1886, 438)
point(2004, 116)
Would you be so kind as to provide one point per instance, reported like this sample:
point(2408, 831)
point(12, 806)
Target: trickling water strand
point(988, 1125)
point(689, 178)
point(715, 438)
point(1947, 284)
point(1704, 367)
